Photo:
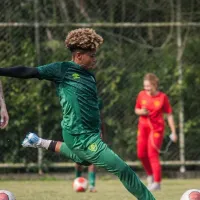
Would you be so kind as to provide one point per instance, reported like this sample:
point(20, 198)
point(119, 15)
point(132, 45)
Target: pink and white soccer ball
point(192, 194)
point(6, 195)
point(80, 184)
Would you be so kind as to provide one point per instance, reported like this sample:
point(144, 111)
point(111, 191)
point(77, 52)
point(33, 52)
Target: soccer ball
point(80, 184)
point(6, 195)
point(192, 194)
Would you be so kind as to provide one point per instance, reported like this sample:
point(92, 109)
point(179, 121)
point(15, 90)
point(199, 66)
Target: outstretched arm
point(20, 72)
point(4, 113)
point(172, 127)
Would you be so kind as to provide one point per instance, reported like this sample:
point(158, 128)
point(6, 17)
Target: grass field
point(107, 190)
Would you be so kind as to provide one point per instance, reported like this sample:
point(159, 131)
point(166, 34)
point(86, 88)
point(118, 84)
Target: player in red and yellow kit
point(151, 104)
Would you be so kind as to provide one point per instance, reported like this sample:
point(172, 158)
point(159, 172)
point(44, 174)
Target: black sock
point(52, 146)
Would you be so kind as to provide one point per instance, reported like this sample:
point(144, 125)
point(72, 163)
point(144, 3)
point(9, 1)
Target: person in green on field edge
point(76, 87)
point(92, 168)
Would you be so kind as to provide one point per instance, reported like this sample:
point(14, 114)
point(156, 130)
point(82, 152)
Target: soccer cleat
point(154, 186)
point(149, 181)
point(31, 140)
point(92, 189)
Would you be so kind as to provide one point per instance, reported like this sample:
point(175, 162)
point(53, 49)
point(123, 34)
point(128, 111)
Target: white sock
point(44, 143)
point(149, 180)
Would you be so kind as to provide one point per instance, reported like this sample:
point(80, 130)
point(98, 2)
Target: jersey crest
point(93, 147)
point(144, 102)
point(156, 103)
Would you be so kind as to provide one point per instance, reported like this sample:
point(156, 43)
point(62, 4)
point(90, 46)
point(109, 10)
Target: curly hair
point(152, 78)
point(84, 39)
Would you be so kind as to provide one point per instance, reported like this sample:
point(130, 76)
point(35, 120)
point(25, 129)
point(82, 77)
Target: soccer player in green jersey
point(76, 87)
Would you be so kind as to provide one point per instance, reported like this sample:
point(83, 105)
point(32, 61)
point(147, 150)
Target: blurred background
point(140, 36)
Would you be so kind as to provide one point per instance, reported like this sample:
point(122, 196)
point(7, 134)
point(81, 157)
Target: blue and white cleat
point(31, 140)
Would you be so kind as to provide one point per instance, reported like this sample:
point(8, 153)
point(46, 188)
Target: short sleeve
point(51, 72)
point(166, 106)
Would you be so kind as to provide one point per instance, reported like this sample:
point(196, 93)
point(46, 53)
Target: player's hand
point(4, 118)
point(144, 111)
point(173, 137)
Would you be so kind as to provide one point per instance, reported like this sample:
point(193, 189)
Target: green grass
point(107, 190)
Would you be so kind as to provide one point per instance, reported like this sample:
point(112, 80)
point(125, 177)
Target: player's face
point(89, 59)
point(149, 88)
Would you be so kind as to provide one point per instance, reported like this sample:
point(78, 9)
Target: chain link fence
point(139, 37)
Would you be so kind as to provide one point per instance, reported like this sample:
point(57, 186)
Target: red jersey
point(156, 105)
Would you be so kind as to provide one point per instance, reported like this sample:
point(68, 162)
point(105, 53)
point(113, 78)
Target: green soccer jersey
point(77, 91)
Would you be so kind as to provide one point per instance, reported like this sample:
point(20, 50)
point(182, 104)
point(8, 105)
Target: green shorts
point(82, 148)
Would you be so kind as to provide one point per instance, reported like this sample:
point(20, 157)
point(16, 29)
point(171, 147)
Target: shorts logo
point(93, 147)
point(75, 76)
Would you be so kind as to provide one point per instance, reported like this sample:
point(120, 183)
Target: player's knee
point(91, 168)
point(154, 159)
point(124, 172)
point(123, 169)
point(153, 155)
point(78, 167)
point(142, 155)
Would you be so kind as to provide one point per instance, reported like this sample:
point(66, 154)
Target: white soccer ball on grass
point(192, 194)
point(80, 184)
point(6, 195)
